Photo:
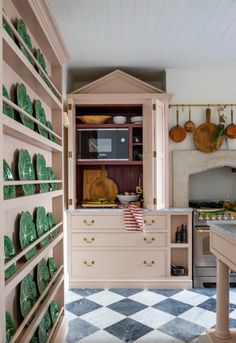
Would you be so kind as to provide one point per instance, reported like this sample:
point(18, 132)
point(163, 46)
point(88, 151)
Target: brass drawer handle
point(150, 222)
point(89, 241)
point(149, 240)
point(149, 264)
point(89, 223)
point(89, 264)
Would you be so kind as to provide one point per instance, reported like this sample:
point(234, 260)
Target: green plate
point(43, 277)
point(52, 222)
point(26, 171)
point(9, 191)
point(41, 60)
point(42, 172)
point(8, 28)
point(44, 328)
point(10, 327)
point(28, 295)
point(40, 115)
point(24, 102)
point(54, 310)
point(52, 266)
point(51, 176)
point(9, 253)
point(22, 30)
point(6, 108)
point(27, 234)
point(51, 136)
point(42, 225)
point(34, 340)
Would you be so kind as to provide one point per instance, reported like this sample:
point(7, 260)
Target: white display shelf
point(46, 293)
point(26, 267)
point(42, 309)
point(37, 241)
point(13, 56)
point(29, 182)
point(24, 200)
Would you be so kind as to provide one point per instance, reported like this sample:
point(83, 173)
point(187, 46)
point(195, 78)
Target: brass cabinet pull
point(89, 223)
point(149, 240)
point(149, 264)
point(150, 222)
point(89, 241)
point(89, 264)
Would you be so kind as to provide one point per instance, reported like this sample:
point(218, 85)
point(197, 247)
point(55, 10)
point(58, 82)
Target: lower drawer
point(118, 264)
point(156, 239)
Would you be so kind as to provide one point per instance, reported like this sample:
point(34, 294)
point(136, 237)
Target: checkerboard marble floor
point(142, 315)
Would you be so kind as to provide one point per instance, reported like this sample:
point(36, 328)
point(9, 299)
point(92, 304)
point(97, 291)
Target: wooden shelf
point(36, 242)
point(27, 267)
point(109, 163)
point(20, 201)
point(42, 309)
point(179, 245)
point(18, 130)
point(15, 58)
point(103, 126)
point(28, 182)
point(41, 298)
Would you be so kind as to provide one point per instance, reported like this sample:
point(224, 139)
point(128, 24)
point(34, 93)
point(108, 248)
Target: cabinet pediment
point(117, 82)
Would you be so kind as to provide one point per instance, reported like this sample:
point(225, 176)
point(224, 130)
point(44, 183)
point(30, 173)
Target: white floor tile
point(148, 298)
point(105, 298)
point(201, 339)
point(71, 296)
point(200, 316)
point(100, 337)
point(70, 316)
point(157, 337)
point(191, 298)
point(152, 317)
point(102, 317)
point(233, 314)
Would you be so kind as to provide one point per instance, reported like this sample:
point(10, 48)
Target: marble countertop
point(102, 210)
point(227, 227)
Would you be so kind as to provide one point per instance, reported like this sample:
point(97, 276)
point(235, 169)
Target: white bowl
point(137, 120)
point(126, 199)
point(119, 119)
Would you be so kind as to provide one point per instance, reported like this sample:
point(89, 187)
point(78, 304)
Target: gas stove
point(209, 210)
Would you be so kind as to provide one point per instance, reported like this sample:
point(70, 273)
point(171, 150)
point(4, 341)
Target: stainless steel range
point(204, 262)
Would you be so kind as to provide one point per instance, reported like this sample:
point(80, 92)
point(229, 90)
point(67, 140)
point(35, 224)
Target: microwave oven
point(103, 144)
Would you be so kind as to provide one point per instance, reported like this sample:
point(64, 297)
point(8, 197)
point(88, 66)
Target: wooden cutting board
point(103, 188)
point(203, 135)
point(89, 176)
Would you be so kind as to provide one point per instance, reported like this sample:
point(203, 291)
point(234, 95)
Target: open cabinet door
point(160, 154)
point(71, 156)
point(154, 178)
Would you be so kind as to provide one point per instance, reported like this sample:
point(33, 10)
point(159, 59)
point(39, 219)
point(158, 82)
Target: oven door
point(202, 255)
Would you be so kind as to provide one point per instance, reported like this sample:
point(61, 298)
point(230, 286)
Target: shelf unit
point(15, 68)
point(181, 253)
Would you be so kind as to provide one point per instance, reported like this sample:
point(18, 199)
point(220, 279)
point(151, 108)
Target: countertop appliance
point(204, 262)
point(102, 144)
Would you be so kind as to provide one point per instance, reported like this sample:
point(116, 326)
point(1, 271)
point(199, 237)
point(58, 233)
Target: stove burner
point(205, 204)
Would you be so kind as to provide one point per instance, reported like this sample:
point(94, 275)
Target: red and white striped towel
point(133, 218)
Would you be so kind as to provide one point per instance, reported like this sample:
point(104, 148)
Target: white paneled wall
point(200, 86)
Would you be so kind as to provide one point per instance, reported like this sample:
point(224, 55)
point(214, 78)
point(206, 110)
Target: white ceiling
point(147, 36)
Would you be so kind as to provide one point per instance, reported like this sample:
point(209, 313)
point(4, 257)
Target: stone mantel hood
point(188, 162)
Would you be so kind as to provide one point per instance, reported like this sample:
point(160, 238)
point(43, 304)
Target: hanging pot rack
point(201, 105)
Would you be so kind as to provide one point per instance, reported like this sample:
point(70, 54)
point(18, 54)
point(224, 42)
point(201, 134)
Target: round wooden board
point(103, 188)
point(202, 138)
point(177, 134)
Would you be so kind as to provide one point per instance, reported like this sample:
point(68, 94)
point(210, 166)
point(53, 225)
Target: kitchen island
point(223, 246)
